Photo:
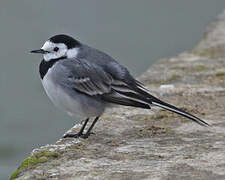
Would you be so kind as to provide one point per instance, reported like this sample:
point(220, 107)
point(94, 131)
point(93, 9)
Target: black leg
point(80, 133)
point(88, 133)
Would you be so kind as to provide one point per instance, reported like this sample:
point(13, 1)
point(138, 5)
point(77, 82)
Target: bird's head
point(59, 46)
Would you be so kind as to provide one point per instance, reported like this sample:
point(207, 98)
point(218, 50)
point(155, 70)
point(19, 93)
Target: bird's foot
point(86, 135)
point(77, 135)
point(72, 135)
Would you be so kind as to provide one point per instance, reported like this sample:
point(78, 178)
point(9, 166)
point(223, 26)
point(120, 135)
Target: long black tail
point(145, 97)
point(180, 112)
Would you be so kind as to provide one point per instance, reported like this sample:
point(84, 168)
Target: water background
point(136, 33)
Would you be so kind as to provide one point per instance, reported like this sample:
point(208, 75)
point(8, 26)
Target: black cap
point(67, 40)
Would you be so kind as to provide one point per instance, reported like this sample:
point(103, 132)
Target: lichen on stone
point(174, 77)
point(211, 52)
point(36, 158)
point(220, 74)
point(27, 164)
point(46, 153)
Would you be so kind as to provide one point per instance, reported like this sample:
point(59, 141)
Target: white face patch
point(62, 51)
point(72, 53)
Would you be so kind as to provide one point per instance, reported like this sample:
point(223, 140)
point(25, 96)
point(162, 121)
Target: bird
point(84, 81)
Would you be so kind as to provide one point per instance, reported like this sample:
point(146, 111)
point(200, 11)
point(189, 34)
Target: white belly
point(78, 105)
point(60, 98)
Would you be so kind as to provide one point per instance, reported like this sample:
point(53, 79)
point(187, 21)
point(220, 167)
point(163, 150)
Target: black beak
point(39, 51)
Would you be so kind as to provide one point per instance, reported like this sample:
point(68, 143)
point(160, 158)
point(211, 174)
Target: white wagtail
point(85, 81)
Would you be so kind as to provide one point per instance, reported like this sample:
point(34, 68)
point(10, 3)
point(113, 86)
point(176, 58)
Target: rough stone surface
point(138, 144)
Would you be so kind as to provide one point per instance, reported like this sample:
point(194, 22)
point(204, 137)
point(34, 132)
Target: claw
point(85, 136)
point(72, 135)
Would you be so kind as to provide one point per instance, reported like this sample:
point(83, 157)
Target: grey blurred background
point(136, 33)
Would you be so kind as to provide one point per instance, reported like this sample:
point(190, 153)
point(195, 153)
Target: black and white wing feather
point(86, 77)
point(90, 79)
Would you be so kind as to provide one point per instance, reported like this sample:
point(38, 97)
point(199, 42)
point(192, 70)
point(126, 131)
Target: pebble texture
point(133, 144)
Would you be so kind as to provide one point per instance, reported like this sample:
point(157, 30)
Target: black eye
point(56, 49)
